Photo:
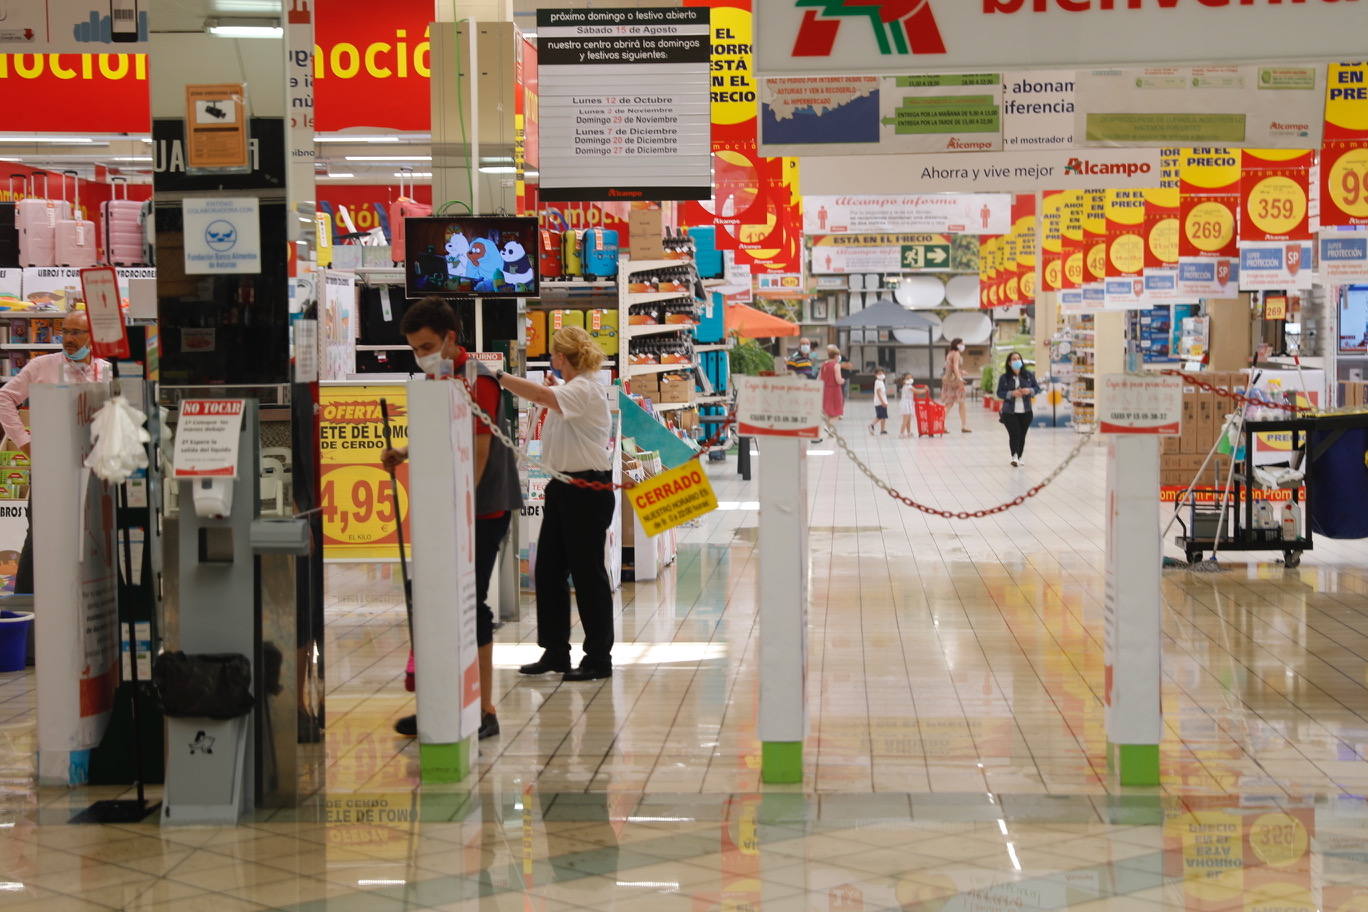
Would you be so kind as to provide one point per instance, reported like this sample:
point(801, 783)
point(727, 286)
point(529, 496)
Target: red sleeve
point(487, 394)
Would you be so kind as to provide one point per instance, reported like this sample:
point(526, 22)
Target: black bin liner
point(217, 686)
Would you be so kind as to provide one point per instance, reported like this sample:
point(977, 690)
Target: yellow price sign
point(1348, 182)
point(1210, 226)
point(673, 498)
point(1027, 286)
point(1275, 307)
point(1054, 274)
point(1128, 254)
point(1277, 205)
point(1097, 262)
point(1073, 268)
point(1163, 240)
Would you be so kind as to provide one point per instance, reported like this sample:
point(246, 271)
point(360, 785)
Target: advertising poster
point(1095, 235)
point(222, 235)
point(357, 496)
point(890, 114)
point(1038, 109)
point(1259, 106)
point(624, 106)
point(1344, 258)
point(1163, 213)
point(1199, 278)
point(1210, 203)
point(1282, 265)
point(1052, 241)
point(1217, 849)
point(1072, 250)
point(1274, 195)
point(942, 213)
point(1344, 155)
point(861, 253)
point(373, 64)
point(1125, 249)
point(110, 90)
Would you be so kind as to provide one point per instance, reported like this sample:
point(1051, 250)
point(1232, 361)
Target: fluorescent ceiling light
point(340, 174)
point(263, 7)
point(499, 169)
point(495, 159)
point(132, 158)
point(388, 158)
point(47, 141)
point(356, 139)
point(244, 28)
point(413, 174)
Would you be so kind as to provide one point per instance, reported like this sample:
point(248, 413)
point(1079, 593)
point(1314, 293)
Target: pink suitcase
point(405, 207)
point(124, 234)
point(75, 234)
point(36, 218)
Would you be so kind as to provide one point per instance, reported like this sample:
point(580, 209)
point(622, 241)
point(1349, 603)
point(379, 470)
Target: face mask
point(436, 365)
point(79, 354)
point(959, 347)
point(805, 348)
point(1014, 365)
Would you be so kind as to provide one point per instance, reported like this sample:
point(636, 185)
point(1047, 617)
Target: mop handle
point(394, 492)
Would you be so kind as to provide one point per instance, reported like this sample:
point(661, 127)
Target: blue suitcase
point(601, 253)
point(707, 257)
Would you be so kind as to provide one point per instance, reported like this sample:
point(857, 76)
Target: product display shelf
point(656, 329)
point(30, 346)
point(1082, 392)
point(33, 314)
point(647, 342)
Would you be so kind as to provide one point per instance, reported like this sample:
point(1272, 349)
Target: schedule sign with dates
point(625, 104)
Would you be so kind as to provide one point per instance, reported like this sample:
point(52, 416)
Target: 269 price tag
point(1210, 226)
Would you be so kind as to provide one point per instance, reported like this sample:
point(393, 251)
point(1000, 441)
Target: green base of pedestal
point(1135, 764)
point(781, 761)
point(444, 762)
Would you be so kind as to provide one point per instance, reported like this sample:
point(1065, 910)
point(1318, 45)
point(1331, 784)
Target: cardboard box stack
point(1204, 415)
point(1355, 393)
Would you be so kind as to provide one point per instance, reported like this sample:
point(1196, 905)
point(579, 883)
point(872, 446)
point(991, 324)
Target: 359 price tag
point(1276, 206)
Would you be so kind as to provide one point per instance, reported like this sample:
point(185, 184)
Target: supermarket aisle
point(955, 758)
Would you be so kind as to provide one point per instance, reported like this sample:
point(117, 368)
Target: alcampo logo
point(1085, 166)
point(900, 26)
point(956, 143)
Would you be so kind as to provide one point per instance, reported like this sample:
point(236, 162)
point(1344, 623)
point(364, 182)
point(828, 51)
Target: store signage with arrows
point(848, 253)
point(926, 256)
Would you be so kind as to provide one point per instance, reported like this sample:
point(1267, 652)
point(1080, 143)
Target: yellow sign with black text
point(673, 498)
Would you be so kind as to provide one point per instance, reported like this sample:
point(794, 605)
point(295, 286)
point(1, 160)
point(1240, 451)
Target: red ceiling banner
point(76, 93)
point(372, 64)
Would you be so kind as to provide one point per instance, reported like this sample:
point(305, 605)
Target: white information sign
point(1140, 404)
point(222, 235)
point(1017, 171)
point(779, 406)
point(1282, 265)
point(934, 213)
point(1038, 109)
point(625, 110)
point(798, 38)
point(207, 438)
point(1344, 257)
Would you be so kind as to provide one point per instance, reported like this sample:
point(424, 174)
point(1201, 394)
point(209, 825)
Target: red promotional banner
point(1094, 235)
point(1344, 152)
point(372, 64)
point(1210, 183)
point(1052, 241)
point(1275, 186)
point(1024, 261)
point(1125, 233)
point(1072, 246)
point(87, 93)
point(1163, 210)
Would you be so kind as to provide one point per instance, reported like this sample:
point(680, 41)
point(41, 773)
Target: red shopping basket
point(930, 413)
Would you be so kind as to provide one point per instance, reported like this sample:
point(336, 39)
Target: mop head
point(1210, 565)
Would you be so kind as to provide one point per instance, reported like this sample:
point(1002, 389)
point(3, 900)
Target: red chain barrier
point(1238, 397)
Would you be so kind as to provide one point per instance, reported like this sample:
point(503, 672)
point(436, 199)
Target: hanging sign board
point(1344, 257)
point(222, 235)
point(673, 498)
point(796, 38)
point(73, 27)
point(216, 127)
point(207, 438)
point(942, 213)
point(779, 407)
point(625, 107)
point(1284, 265)
point(1140, 404)
point(1017, 171)
point(108, 332)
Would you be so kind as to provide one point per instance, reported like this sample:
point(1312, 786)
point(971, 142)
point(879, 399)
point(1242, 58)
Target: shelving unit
point(1083, 391)
point(30, 346)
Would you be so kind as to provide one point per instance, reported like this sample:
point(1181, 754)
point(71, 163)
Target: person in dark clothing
point(1016, 388)
point(432, 328)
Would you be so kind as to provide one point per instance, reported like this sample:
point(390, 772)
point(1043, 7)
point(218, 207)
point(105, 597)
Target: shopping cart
point(930, 413)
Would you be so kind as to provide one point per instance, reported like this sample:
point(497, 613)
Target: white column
point(784, 572)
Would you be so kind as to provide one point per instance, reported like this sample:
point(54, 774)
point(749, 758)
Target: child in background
point(880, 403)
point(906, 407)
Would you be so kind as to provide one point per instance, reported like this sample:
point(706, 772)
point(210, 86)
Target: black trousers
point(571, 545)
point(23, 577)
point(1017, 426)
point(489, 536)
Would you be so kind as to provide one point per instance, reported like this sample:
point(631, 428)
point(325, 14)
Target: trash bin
point(14, 636)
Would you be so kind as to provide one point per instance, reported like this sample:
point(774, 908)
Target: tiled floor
point(955, 759)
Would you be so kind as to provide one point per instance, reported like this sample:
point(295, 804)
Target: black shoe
point(489, 726)
point(407, 726)
point(588, 672)
point(545, 664)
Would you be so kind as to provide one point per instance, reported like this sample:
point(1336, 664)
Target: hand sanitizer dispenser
point(213, 498)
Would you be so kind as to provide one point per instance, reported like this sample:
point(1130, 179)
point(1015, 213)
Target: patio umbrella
point(753, 323)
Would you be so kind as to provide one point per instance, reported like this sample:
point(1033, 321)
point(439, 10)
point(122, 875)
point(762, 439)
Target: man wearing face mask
point(73, 364)
point(432, 329)
point(800, 361)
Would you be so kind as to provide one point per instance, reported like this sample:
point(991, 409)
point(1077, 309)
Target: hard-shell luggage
point(600, 253)
point(405, 207)
point(536, 334)
point(603, 326)
point(572, 263)
point(707, 257)
point(149, 223)
point(75, 235)
point(125, 235)
point(36, 218)
point(9, 235)
point(562, 318)
point(549, 253)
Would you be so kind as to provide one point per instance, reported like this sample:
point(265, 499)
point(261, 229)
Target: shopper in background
point(953, 383)
point(800, 360)
point(833, 384)
point(1016, 387)
point(73, 364)
point(432, 330)
point(575, 520)
point(880, 403)
point(906, 405)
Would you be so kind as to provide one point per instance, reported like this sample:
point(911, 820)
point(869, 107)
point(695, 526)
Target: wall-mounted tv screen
point(471, 255)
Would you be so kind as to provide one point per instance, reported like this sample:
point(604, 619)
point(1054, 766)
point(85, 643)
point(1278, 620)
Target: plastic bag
point(218, 686)
point(120, 441)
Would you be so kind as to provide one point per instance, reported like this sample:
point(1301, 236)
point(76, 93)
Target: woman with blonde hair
point(833, 384)
point(575, 519)
point(953, 383)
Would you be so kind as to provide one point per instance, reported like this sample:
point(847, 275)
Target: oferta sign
point(886, 36)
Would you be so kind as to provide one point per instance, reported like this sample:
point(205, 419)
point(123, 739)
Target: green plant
point(988, 379)
point(748, 357)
